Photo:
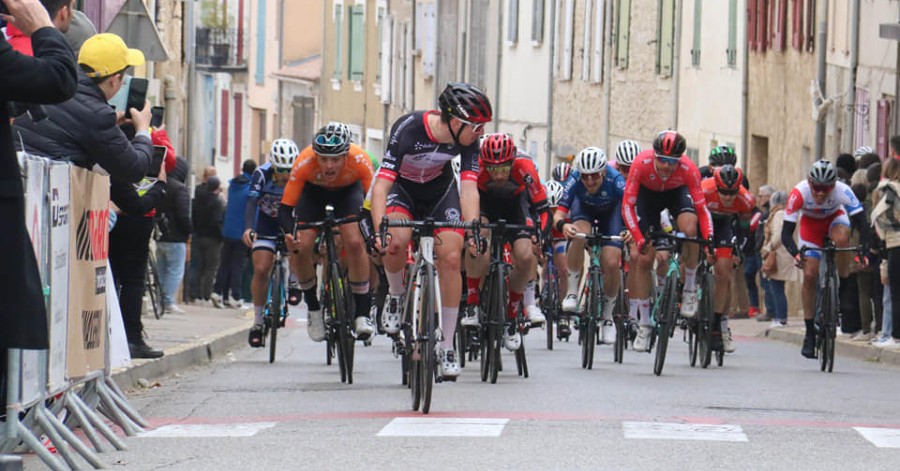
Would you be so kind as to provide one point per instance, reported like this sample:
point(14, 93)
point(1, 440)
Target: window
point(357, 40)
point(430, 29)
point(762, 25)
point(861, 118)
point(338, 18)
point(568, 40)
point(883, 128)
point(379, 22)
point(779, 18)
point(512, 25)
point(695, 49)
point(420, 23)
point(665, 46)
point(751, 24)
point(537, 22)
point(731, 52)
point(385, 65)
point(797, 25)
point(586, 52)
point(599, 36)
point(623, 26)
point(260, 75)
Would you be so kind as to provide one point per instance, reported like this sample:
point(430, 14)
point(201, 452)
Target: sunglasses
point(665, 159)
point(726, 192)
point(820, 188)
point(590, 176)
point(476, 127)
point(502, 168)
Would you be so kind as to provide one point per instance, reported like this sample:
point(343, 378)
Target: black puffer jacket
point(174, 211)
point(83, 130)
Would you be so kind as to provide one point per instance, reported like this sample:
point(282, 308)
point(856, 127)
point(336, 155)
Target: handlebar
point(597, 237)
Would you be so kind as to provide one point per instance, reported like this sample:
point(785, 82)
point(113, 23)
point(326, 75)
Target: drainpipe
point(190, 49)
point(821, 75)
point(676, 63)
point(849, 128)
point(496, 110)
point(552, 4)
point(436, 84)
point(280, 123)
point(607, 82)
point(745, 97)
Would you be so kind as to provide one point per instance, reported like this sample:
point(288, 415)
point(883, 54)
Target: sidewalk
point(794, 331)
point(194, 337)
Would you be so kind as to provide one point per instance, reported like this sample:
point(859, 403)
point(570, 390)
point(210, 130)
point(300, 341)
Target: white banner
point(119, 356)
point(59, 273)
point(31, 385)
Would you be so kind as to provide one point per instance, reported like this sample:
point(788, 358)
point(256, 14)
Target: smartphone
point(159, 154)
point(157, 113)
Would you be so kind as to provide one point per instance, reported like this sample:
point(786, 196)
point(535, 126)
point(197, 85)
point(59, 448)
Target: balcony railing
point(221, 48)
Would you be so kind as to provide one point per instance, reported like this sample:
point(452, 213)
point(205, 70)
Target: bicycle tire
point(428, 321)
point(154, 288)
point(692, 341)
point(706, 317)
point(459, 339)
point(592, 314)
point(325, 302)
point(521, 361)
point(828, 331)
point(276, 292)
point(619, 314)
point(550, 304)
point(665, 317)
point(343, 307)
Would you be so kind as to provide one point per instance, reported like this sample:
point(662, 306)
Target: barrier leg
point(111, 410)
point(37, 447)
point(55, 439)
point(70, 437)
point(96, 421)
point(82, 421)
point(120, 399)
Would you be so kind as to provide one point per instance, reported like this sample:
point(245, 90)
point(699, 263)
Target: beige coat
point(786, 269)
point(883, 224)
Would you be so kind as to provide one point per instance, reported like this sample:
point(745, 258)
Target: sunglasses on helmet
point(820, 188)
point(501, 168)
point(590, 176)
point(476, 127)
point(728, 191)
point(665, 159)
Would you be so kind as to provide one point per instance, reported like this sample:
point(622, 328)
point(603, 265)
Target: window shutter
point(731, 52)
point(357, 41)
point(568, 40)
point(695, 50)
point(762, 36)
point(666, 38)
point(512, 28)
point(751, 25)
point(599, 36)
point(338, 39)
point(387, 35)
point(781, 27)
point(260, 74)
point(861, 119)
point(623, 32)
point(883, 127)
point(797, 25)
point(586, 52)
point(420, 23)
point(430, 45)
point(223, 124)
point(238, 131)
point(810, 17)
point(557, 43)
point(537, 21)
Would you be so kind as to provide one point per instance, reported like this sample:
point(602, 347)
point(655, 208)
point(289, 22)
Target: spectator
point(129, 249)
point(80, 30)
point(867, 160)
point(784, 269)
point(762, 203)
point(208, 212)
point(48, 77)
point(866, 274)
point(61, 15)
point(85, 129)
point(174, 218)
point(885, 212)
point(847, 163)
point(193, 276)
point(227, 290)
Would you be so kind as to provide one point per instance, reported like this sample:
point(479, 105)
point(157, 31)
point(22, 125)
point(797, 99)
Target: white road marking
point(881, 437)
point(671, 431)
point(443, 427)
point(209, 430)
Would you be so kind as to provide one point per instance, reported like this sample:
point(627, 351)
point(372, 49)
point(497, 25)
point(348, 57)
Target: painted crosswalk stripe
point(674, 431)
point(443, 427)
point(881, 437)
point(209, 430)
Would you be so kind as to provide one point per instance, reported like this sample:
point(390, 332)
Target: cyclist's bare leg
point(447, 259)
point(575, 256)
point(609, 260)
point(524, 265)
point(640, 267)
point(395, 255)
point(303, 262)
point(724, 273)
point(262, 268)
point(561, 261)
point(808, 292)
point(476, 268)
point(840, 235)
point(687, 224)
point(357, 267)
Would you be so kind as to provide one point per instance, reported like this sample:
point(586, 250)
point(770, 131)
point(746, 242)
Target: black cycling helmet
point(722, 155)
point(728, 178)
point(332, 140)
point(669, 144)
point(822, 173)
point(465, 102)
point(561, 171)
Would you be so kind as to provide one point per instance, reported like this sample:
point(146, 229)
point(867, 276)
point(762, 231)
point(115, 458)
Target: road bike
point(549, 296)
point(276, 309)
point(592, 298)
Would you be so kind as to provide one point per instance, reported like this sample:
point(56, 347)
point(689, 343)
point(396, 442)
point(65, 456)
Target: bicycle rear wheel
point(428, 312)
point(550, 304)
point(592, 313)
point(154, 288)
point(276, 299)
point(521, 361)
point(665, 316)
point(619, 313)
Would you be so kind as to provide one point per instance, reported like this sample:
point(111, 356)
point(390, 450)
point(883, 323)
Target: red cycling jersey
point(522, 175)
point(743, 205)
point(643, 174)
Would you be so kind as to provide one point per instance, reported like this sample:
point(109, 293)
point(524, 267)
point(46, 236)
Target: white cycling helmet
point(862, 150)
point(554, 191)
point(590, 160)
point(627, 151)
point(283, 153)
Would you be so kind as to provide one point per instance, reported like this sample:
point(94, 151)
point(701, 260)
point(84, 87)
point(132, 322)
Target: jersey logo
point(452, 214)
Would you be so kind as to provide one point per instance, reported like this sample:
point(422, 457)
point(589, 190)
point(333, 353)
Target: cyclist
point(726, 200)
point(593, 195)
point(662, 178)
point(415, 180)
point(561, 172)
point(626, 151)
point(510, 189)
point(330, 171)
point(555, 191)
point(266, 189)
point(827, 207)
point(719, 156)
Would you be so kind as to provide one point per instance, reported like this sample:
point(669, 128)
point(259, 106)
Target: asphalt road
point(767, 408)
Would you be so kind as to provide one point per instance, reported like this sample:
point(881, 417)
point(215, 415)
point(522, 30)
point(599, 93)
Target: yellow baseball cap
point(107, 54)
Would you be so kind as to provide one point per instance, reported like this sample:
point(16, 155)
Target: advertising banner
point(32, 386)
point(59, 273)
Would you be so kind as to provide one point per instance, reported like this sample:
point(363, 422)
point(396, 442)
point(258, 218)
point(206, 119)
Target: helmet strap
point(455, 136)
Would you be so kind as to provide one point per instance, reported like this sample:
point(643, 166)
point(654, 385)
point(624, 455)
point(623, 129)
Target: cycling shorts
point(437, 198)
point(814, 230)
point(269, 227)
point(723, 230)
point(608, 222)
point(651, 203)
point(347, 201)
point(515, 210)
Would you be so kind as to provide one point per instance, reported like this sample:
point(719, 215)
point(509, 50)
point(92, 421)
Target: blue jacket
point(238, 188)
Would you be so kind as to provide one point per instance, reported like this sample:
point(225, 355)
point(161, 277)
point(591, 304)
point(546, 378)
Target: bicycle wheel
point(692, 341)
point(521, 361)
point(459, 339)
point(413, 345)
point(276, 299)
point(619, 314)
point(828, 330)
point(342, 323)
point(154, 288)
point(550, 303)
point(665, 316)
point(428, 312)
point(592, 314)
point(706, 316)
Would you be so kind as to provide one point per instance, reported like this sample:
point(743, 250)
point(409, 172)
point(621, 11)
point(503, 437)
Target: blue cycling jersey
point(606, 198)
point(263, 186)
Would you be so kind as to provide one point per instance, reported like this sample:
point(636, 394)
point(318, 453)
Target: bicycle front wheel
point(828, 331)
point(592, 313)
point(428, 312)
point(665, 316)
point(345, 337)
point(276, 296)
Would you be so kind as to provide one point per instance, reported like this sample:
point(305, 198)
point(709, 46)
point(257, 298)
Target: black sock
point(363, 304)
point(312, 300)
point(717, 322)
point(810, 327)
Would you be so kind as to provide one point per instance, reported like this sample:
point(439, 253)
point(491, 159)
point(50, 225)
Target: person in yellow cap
point(85, 130)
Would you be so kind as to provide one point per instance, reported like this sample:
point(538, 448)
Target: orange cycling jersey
point(357, 168)
point(742, 205)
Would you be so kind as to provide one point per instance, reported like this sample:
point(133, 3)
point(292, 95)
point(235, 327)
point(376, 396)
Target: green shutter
point(357, 39)
point(698, 20)
point(338, 39)
point(623, 27)
point(731, 52)
point(666, 37)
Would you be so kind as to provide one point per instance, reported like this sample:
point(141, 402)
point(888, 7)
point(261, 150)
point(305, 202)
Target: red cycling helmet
point(669, 144)
point(466, 102)
point(728, 178)
point(497, 149)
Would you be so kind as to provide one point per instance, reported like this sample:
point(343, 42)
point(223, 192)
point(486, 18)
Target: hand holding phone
point(156, 116)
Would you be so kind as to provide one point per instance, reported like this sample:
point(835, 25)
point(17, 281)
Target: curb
point(846, 348)
point(200, 352)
